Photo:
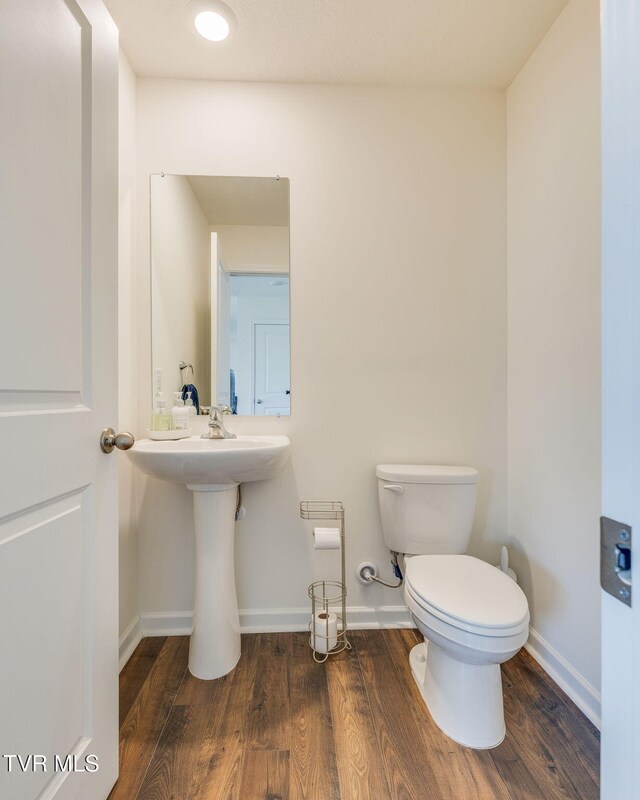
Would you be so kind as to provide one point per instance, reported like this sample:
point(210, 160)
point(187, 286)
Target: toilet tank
point(426, 510)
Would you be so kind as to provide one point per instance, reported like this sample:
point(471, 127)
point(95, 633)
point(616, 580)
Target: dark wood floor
point(281, 727)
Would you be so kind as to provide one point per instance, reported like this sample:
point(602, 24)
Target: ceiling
point(259, 285)
point(472, 43)
point(242, 201)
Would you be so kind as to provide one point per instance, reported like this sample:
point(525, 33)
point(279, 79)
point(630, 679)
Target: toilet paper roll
point(325, 631)
point(326, 538)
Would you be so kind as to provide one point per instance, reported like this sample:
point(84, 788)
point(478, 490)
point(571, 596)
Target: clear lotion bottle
point(160, 416)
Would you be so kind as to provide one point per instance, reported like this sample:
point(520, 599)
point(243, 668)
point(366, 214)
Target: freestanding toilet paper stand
point(328, 626)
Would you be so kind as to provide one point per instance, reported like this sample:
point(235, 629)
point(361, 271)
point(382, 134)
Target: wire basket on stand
point(328, 626)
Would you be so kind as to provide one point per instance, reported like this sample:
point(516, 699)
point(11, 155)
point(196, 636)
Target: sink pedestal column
point(214, 648)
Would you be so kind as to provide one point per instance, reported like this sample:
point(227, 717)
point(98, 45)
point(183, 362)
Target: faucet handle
point(217, 412)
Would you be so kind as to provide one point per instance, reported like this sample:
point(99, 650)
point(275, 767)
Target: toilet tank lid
point(426, 473)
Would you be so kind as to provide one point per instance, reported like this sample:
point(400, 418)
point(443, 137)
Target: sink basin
point(212, 462)
point(213, 469)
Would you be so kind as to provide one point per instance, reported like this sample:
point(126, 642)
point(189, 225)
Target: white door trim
point(620, 759)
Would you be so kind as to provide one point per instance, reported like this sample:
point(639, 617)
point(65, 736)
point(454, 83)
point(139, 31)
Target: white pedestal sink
point(212, 469)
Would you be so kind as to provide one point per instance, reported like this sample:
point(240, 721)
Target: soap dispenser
point(160, 416)
point(179, 413)
point(191, 409)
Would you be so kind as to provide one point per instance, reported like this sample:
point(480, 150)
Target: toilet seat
point(467, 594)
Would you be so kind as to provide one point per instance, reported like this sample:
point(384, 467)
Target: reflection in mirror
point(220, 291)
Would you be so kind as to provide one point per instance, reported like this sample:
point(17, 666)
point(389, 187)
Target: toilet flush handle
point(394, 487)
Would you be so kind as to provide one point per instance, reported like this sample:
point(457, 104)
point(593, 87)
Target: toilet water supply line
point(368, 575)
point(366, 571)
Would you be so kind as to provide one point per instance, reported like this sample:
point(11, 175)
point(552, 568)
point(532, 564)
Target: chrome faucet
point(216, 424)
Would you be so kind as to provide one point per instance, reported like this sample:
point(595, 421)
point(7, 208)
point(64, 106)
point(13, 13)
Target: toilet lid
point(468, 590)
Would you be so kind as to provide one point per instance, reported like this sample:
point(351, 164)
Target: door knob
point(110, 439)
point(258, 402)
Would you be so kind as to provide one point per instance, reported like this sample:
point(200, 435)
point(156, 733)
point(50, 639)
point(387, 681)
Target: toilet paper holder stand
point(328, 597)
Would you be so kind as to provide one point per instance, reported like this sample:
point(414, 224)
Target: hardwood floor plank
point(174, 769)
point(168, 767)
point(508, 763)
point(145, 721)
point(541, 720)
point(571, 720)
point(313, 757)
point(225, 741)
point(409, 770)
point(360, 770)
point(136, 670)
point(265, 775)
point(270, 715)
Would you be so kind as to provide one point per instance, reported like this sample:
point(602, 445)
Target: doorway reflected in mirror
point(253, 345)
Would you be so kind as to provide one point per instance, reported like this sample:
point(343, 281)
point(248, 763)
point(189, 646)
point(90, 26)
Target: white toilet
point(472, 616)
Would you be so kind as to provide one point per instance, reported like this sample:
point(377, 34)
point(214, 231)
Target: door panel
point(271, 369)
point(58, 504)
point(47, 633)
point(45, 87)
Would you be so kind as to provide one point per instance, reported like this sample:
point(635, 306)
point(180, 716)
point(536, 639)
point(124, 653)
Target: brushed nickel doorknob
point(110, 439)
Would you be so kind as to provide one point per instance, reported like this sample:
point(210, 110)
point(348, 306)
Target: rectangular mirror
point(220, 291)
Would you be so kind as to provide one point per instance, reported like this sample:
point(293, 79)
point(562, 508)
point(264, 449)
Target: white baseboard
point(129, 640)
point(273, 620)
point(578, 688)
point(166, 623)
point(297, 619)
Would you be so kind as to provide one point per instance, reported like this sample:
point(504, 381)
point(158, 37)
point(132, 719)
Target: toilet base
point(464, 700)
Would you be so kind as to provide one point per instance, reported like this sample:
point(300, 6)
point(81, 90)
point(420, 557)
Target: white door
point(621, 386)
point(271, 389)
point(58, 514)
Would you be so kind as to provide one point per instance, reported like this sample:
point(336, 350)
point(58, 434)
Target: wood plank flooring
point(281, 727)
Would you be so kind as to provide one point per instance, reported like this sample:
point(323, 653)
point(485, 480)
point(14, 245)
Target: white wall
point(398, 313)
point(181, 242)
point(553, 171)
point(255, 247)
point(127, 339)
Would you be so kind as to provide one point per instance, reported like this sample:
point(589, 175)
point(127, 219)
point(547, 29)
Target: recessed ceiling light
point(212, 26)
point(213, 19)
